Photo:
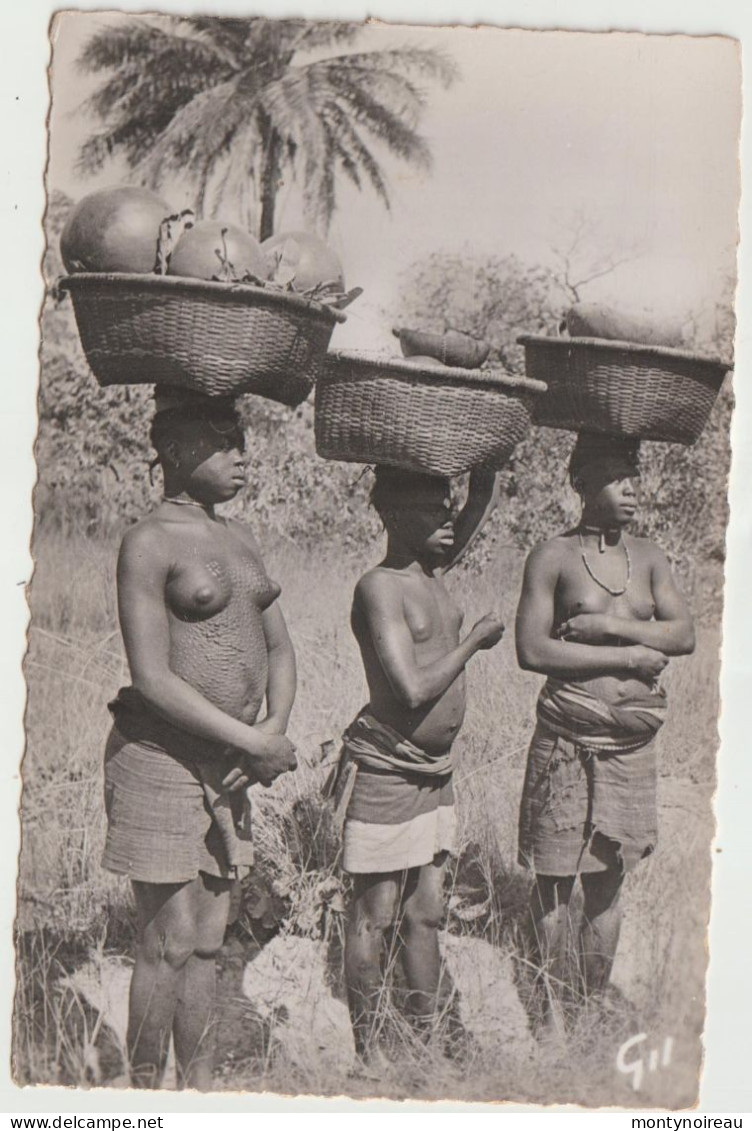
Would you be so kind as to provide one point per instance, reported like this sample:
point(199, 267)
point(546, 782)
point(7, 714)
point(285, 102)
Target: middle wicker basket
point(438, 420)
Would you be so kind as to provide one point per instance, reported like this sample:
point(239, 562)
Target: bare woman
point(599, 615)
point(206, 644)
point(399, 823)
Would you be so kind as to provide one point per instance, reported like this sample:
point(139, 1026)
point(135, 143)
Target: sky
point(638, 132)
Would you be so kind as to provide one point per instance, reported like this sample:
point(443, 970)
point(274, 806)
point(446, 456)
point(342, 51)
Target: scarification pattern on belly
point(225, 656)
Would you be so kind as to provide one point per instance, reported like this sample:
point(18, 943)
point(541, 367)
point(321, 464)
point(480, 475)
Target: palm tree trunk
point(270, 175)
point(203, 185)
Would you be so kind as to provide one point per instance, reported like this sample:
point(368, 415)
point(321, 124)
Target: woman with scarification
point(599, 615)
point(206, 644)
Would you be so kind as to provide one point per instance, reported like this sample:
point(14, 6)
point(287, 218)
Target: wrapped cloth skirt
point(584, 810)
point(160, 826)
point(397, 821)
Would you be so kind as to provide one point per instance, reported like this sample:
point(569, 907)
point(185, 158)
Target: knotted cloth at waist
point(571, 711)
point(373, 745)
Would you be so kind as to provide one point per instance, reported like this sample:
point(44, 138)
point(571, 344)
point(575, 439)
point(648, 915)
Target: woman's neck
point(182, 498)
point(606, 534)
point(398, 556)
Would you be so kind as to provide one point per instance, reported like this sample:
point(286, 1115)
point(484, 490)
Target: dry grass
point(69, 907)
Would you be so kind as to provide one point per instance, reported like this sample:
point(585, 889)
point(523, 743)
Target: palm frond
point(236, 190)
point(229, 103)
point(158, 69)
point(386, 125)
point(347, 163)
point(228, 36)
point(138, 42)
point(358, 152)
point(299, 97)
point(427, 62)
point(131, 133)
point(322, 33)
point(128, 139)
point(200, 131)
point(394, 91)
point(292, 105)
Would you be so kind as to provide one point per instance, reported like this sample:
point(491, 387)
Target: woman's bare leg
point(601, 927)
point(421, 916)
point(166, 941)
point(552, 943)
point(193, 1028)
point(372, 911)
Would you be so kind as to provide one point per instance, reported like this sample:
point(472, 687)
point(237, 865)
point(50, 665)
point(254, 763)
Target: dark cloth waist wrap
point(138, 721)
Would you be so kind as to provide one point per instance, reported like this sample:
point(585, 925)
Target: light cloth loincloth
point(397, 800)
point(589, 797)
point(168, 816)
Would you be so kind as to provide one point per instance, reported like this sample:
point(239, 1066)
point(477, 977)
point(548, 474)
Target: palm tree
point(234, 104)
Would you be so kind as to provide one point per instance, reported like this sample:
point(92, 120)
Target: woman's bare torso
point(576, 592)
point(215, 594)
point(434, 621)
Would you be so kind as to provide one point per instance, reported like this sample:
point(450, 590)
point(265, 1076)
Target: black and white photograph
point(386, 386)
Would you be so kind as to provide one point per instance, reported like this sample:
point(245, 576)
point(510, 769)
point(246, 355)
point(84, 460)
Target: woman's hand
point(645, 663)
point(487, 632)
point(273, 754)
point(248, 771)
point(236, 779)
point(482, 498)
point(586, 628)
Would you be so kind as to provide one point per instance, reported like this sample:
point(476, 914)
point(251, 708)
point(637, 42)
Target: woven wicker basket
point(215, 338)
point(438, 420)
point(650, 392)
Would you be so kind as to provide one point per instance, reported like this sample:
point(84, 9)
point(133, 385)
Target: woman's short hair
point(171, 422)
point(392, 484)
point(597, 448)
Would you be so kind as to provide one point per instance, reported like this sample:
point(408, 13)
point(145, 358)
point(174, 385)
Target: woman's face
point(209, 459)
point(424, 520)
point(609, 493)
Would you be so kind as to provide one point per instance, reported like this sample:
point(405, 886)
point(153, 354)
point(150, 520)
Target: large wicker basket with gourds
point(210, 337)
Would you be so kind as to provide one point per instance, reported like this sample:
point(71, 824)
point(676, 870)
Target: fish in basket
point(623, 388)
point(211, 337)
point(419, 416)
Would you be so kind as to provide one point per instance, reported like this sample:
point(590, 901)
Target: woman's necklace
point(185, 503)
point(597, 580)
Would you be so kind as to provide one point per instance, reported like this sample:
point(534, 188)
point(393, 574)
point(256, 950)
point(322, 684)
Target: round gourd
point(597, 320)
point(306, 259)
point(114, 229)
point(200, 251)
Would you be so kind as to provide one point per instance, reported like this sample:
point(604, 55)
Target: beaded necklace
point(596, 579)
point(185, 503)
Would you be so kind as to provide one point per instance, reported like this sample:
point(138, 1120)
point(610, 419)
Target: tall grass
point(68, 906)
